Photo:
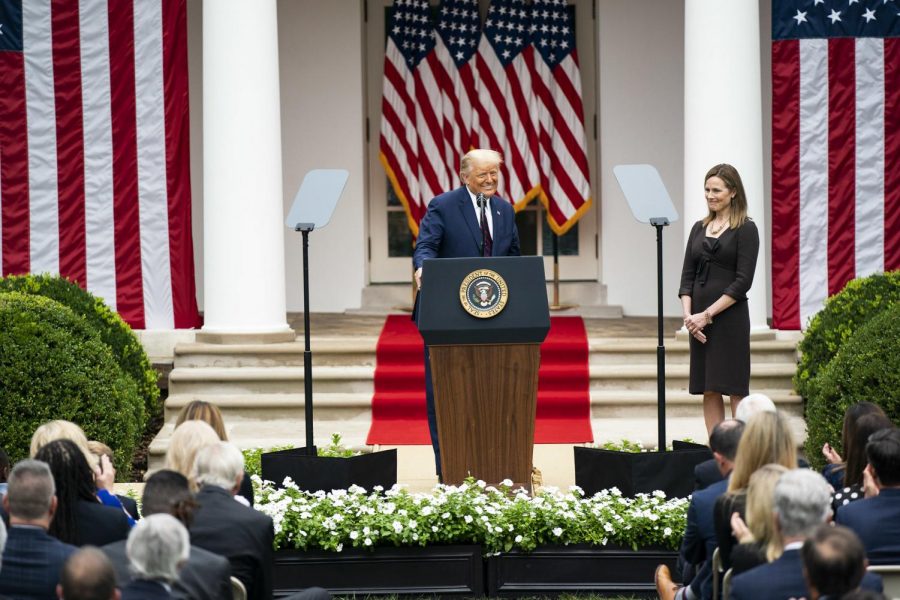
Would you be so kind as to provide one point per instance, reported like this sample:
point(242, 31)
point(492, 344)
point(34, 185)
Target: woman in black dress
point(718, 270)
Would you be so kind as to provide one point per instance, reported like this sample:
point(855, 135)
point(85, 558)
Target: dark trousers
point(432, 417)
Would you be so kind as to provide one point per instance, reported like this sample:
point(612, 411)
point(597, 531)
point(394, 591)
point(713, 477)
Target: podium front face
point(484, 320)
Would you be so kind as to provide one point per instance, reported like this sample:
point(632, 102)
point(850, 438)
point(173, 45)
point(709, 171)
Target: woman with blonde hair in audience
point(767, 439)
point(186, 440)
point(200, 410)
point(758, 539)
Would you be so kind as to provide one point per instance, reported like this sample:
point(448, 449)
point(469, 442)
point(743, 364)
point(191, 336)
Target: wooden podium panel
point(485, 399)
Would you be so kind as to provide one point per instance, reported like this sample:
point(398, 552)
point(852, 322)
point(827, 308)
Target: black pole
point(307, 352)
point(660, 348)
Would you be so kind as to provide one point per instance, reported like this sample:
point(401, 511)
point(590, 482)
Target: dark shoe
point(665, 587)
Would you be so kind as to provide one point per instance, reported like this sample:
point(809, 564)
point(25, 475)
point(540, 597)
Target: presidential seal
point(483, 293)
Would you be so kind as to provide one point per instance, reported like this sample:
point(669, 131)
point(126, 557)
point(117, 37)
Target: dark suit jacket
point(99, 525)
point(450, 228)
point(32, 561)
point(877, 523)
point(205, 576)
point(699, 540)
point(142, 589)
point(241, 534)
point(782, 579)
point(706, 474)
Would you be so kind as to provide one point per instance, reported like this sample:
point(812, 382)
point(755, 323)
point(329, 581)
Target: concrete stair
point(260, 389)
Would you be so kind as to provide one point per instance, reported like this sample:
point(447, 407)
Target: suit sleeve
point(689, 268)
point(431, 233)
point(514, 249)
point(748, 249)
point(693, 548)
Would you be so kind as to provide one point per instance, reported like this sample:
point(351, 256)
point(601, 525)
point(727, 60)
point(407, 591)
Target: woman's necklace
point(716, 230)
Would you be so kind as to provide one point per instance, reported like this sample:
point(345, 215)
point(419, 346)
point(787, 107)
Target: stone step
point(326, 351)
point(269, 380)
point(327, 406)
point(617, 351)
point(624, 404)
point(774, 376)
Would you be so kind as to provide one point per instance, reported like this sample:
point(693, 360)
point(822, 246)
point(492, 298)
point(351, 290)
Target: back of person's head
point(31, 490)
point(834, 560)
point(220, 464)
point(802, 502)
point(157, 547)
point(767, 439)
point(725, 437)
point(74, 482)
point(855, 453)
point(168, 492)
point(62, 430)
point(87, 575)
point(209, 413)
point(186, 440)
point(883, 452)
point(761, 506)
point(4, 466)
point(753, 404)
point(99, 449)
point(853, 414)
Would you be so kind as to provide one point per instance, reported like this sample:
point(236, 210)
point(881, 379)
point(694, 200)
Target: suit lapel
point(468, 215)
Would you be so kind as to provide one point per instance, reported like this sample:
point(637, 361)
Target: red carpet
point(398, 406)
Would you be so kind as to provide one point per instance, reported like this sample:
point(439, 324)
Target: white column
point(243, 217)
point(723, 116)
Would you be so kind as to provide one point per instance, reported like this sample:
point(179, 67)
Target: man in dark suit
point(876, 519)
point(802, 503)
point(32, 560)
point(466, 222)
point(699, 540)
point(834, 562)
point(157, 548)
point(87, 575)
point(205, 576)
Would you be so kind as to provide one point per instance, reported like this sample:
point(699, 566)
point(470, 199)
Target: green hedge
point(844, 313)
point(867, 367)
point(53, 365)
point(115, 332)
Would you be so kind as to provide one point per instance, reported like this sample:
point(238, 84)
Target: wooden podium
point(484, 320)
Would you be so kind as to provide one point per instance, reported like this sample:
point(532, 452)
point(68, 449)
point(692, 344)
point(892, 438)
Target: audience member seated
point(187, 439)
point(104, 473)
point(766, 440)
point(707, 472)
point(758, 539)
point(802, 503)
point(834, 562)
point(857, 459)
point(876, 519)
point(33, 559)
point(87, 575)
point(699, 540)
point(102, 451)
point(157, 548)
point(4, 471)
point(835, 470)
point(200, 410)
point(80, 517)
point(205, 576)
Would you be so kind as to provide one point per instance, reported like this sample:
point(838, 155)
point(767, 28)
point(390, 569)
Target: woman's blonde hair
point(186, 441)
point(200, 410)
point(62, 430)
point(760, 507)
point(766, 439)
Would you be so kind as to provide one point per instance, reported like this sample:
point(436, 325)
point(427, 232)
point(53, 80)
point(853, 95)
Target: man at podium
point(468, 221)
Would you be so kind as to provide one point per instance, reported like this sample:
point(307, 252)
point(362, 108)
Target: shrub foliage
point(53, 365)
point(114, 332)
point(844, 313)
point(867, 367)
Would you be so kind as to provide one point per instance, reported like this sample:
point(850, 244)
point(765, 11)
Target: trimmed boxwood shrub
point(115, 332)
point(859, 301)
point(53, 365)
point(867, 367)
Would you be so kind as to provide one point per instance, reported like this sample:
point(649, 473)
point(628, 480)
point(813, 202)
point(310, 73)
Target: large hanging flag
point(565, 174)
point(505, 115)
point(412, 135)
point(835, 149)
point(94, 161)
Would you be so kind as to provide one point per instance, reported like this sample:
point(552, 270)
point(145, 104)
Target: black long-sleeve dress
point(713, 267)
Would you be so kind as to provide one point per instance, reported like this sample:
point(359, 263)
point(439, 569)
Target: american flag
point(565, 174)
point(94, 162)
point(835, 149)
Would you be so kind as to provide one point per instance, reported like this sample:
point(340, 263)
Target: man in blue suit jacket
point(802, 503)
point(32, 559)
point(466, 222)
point(876, 519)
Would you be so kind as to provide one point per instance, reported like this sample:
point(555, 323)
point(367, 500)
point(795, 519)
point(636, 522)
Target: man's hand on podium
point(418, 276)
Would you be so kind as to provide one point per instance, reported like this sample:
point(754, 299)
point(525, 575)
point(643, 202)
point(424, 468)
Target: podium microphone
point(480, 200)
